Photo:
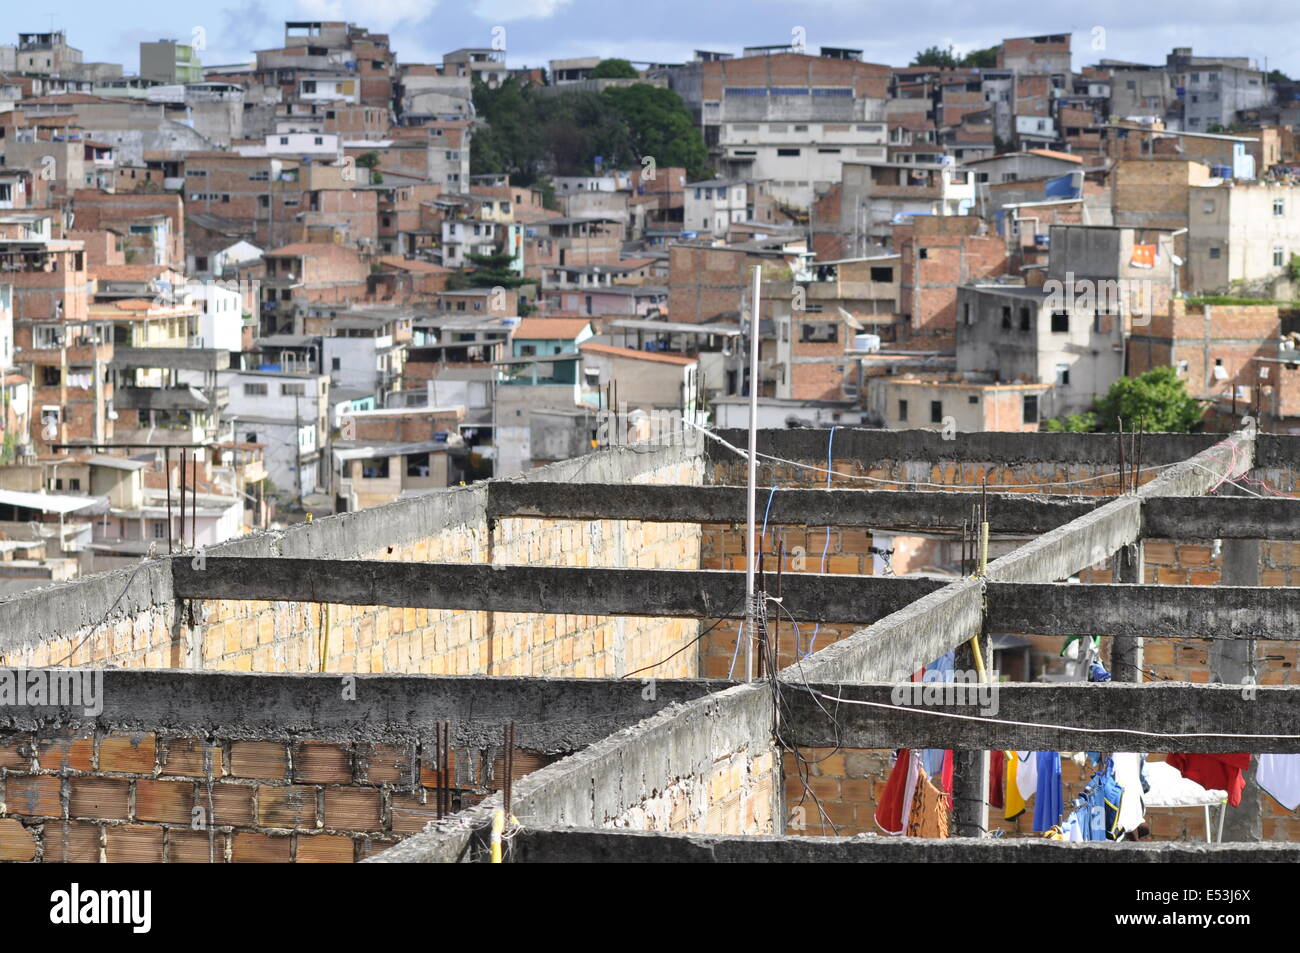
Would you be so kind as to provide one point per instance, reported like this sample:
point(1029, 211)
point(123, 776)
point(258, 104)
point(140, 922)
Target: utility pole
point(751, 560)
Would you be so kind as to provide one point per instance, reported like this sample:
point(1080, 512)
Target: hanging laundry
point(1128, 775)
point(997, 766)
point(929, 814)
point(1027, 774)
point(1047, 803)
point(1279, 776)
point(1221, 772)
point(1015, 803)
point(1144, 256)
point(933, 759)
point(1112, 798)
point(899, 795)
point(1073, 828)
point(945, 776)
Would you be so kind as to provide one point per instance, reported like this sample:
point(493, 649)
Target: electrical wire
point(941, 486)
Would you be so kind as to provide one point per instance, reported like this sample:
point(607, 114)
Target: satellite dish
point(850, 320)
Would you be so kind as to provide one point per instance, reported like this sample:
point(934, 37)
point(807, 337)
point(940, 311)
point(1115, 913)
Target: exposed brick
point(287, 806)
point(232, 804)
point(409, 816)
point(66, 754)
point(352, 809)
point(15, 751)
point(195, 847)
point(16, 842)
point(321, 763)
point(254, 848)
point(75, 842)
point(34, 795)
point(187, 756)
point(171, 801)
point(106, 798)
point(131, 754)
point(134, 844)
point(387, 764)
point(325, 849)
point(258, 759)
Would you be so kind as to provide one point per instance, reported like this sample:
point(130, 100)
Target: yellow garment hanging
point(1015, 804)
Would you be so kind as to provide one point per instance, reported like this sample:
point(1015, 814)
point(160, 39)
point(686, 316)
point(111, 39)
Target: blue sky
point(668, 30)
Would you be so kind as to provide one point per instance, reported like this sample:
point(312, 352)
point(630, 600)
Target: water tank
point(866, 342)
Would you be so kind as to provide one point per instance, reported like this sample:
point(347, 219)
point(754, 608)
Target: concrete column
point(970, 774)
point(1126, 653)
point(1233, 662)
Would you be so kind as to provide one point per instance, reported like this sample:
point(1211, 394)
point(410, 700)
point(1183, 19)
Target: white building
point(221, 315)
point(1242, 234)
point(711, 207)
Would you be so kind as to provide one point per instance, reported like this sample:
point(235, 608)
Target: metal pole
point(167, 470)
point(752, 485)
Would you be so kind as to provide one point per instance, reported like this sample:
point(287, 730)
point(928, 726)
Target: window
point(972, 399)
point(1215, 252)
point(417, 465)
point(902, 411)
point(255, 390)
point(822, 333)
point(293, 390)
point(1029, 408)
point(1062, 375)
point(51, 375)
point(336, 363)
point(936, 411)
point(1060, 322)
point(1025, 324)
point(787, 152)
point(1006, 316)
point(250, 437)
point(159, 529)
point(882, 273)
point(1279, 207)
point(374, 469)
point(1279, 257)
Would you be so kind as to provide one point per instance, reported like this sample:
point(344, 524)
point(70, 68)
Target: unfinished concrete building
point(553, 651)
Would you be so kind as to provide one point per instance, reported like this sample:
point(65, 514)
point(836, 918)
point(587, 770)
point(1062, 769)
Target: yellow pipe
point(975, 642)
point(325, 637)
point(498, 828)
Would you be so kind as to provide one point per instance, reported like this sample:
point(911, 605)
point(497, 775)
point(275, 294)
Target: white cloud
point(507, 10)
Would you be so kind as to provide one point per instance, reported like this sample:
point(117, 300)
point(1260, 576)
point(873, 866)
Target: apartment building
point(1241, 238)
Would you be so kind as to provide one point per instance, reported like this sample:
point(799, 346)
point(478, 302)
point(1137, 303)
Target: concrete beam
point(1220, 517)
point(600, 784)
point(1038, 717)
point(1008, 449)
point(1011, 513)
point(534, 845)
point(1175, 612)
point(664, 593)
point(914, 636)
point(551, 715)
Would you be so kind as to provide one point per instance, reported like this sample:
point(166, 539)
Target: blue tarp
point(1062, 187)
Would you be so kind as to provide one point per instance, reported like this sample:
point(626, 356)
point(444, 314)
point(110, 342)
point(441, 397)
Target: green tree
point(660, 126)
point(936, 56)
point(370, 160)
point(1154, 402)
point(982, 59)
point(614, 69)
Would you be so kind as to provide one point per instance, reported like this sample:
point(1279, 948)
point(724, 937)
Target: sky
point(536, 31)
